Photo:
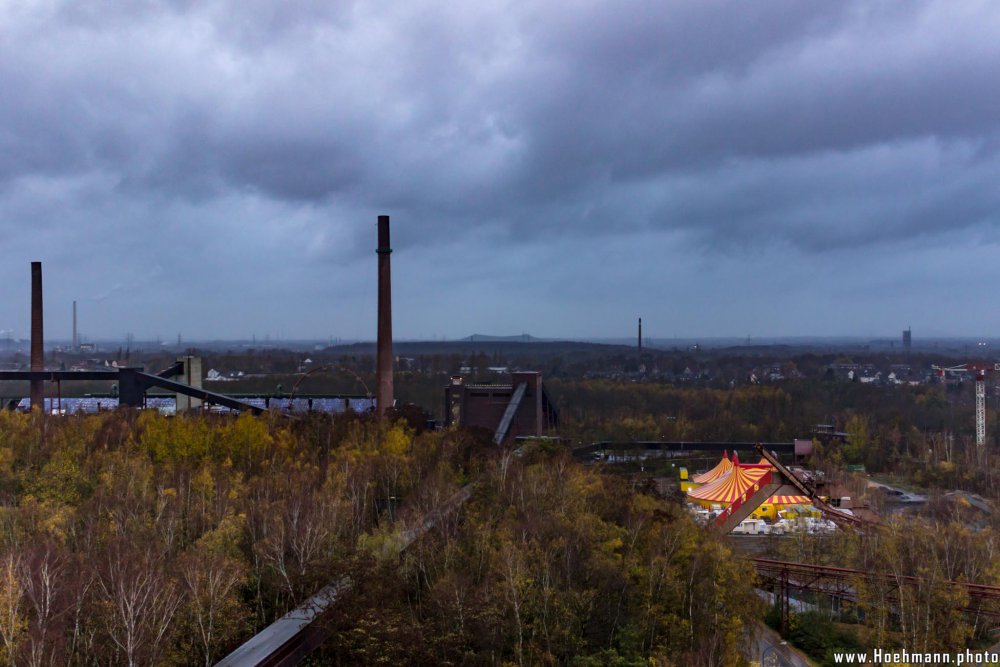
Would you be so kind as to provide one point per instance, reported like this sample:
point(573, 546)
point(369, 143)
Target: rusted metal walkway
point(292, 637)
point(133, 384)
point(782, 577)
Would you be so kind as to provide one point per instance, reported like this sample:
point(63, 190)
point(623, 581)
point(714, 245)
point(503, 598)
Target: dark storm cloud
point(215, 136)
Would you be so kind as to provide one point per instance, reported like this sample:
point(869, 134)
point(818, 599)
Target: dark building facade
point(521, 408)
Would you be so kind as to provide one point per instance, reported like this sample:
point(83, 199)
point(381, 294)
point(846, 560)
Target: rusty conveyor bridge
point(133, 383)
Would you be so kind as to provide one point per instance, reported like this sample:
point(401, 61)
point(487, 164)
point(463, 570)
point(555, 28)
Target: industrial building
point(521, 408)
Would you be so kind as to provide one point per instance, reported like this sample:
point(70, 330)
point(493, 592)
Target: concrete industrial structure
point(133, 383)
point(167, 404)
point(521, 408)
point(190, 375)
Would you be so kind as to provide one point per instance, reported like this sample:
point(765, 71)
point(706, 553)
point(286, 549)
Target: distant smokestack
point(37, 339)
point(640, 333)
point(383, 394)
point(75, 341)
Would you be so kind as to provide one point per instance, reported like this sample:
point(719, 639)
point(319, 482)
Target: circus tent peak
point(720, 469)
point(730, 486)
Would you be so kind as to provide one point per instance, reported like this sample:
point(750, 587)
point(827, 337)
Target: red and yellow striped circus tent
point(783, 500)
point(789, 500)
point(729, 487)
point(720, 469)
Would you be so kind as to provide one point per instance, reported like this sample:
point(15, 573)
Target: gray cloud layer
point(550, 167)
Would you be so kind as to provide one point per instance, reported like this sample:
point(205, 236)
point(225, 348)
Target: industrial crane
point(980, 370)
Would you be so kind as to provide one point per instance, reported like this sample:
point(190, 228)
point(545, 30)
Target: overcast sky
point(215, 168)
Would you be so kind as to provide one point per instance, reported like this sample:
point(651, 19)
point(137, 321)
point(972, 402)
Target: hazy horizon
point(927, 343)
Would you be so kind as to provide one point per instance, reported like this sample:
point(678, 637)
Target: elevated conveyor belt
point(293, 636)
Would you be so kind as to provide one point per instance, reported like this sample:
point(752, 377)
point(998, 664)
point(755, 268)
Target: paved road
point(770, 650)
point(899, 496)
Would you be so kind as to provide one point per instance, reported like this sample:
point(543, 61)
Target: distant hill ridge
point(514, 345)
point(484, 338)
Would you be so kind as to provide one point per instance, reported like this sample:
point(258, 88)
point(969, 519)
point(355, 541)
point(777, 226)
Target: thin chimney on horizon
point(640, 333)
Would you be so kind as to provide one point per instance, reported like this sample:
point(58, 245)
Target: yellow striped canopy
point(789, 500)
point(720, 469)
point(730, 486)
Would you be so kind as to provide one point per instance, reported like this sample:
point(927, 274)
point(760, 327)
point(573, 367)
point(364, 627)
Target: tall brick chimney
point(37, 337)
point(383, 396)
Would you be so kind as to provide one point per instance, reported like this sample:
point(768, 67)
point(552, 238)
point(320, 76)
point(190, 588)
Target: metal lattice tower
point(980, 370)
point(981, 409)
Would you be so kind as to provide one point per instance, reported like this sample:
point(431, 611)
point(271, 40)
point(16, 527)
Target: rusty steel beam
point(835, 515)
point(677, 446)
point(840, 582)
point(145, 380)
point(831, 571)
point(383, 395)
point(293, 636)
point(58, 376)
point(173, 370)
point(734, 515)
point(132, 385)
point(508, 415)
point(37, 336)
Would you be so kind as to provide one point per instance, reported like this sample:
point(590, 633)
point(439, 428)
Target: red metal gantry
point(780, 577)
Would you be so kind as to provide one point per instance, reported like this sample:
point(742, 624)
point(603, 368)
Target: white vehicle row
point(783, 526)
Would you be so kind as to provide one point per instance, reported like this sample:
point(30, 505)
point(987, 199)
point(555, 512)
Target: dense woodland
point(921, 435)
point(938, 546)
point(131, 538)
